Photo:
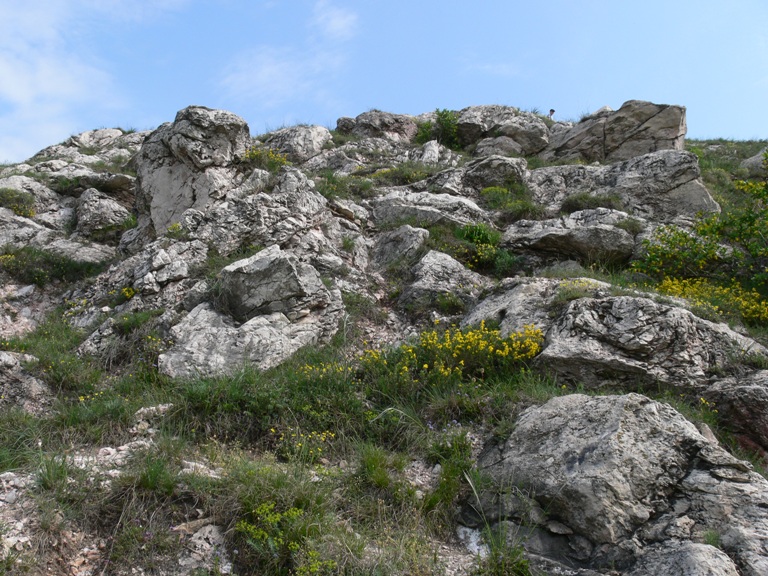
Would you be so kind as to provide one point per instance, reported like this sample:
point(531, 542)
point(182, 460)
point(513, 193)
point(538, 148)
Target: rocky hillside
point(471, 342)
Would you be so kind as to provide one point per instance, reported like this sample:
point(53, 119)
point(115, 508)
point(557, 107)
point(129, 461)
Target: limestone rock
point(99, 216)
point(683, 559)
point(401, 244)
point(527, 130)
point(299, 143)
point(210, 343)
point(187, 164)
point(272, 281)
point(637, 342)
point(438, 275)
point(378, 124)
point(743, 403)
point(19, 389)
point(587, 235)
point(400, 205)
point(755, 165)
point(521, 301)
point(661, 186)
point(635, 129)
point(622, 472)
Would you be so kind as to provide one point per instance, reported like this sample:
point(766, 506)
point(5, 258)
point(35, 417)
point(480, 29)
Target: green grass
point(41, 267)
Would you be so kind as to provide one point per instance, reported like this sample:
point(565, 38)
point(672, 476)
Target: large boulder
point(399, 245)
point(100, 217)
point(442, 282)
point(661, 186)
point(587, 235)
point(755, 165)
point(609, 481)
point(636, 128)
point(209, 343)
point(378, 124)
point(528, 131)
point(637, 342)
point(299, 143)
point(187, 164)
point(271, 281)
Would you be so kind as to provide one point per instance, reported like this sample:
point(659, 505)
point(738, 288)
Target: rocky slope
point(246, 250)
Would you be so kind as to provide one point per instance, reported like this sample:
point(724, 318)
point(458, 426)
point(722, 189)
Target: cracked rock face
point(188, 163)
point(638, 342)
point(617, 480)
point(634, 129)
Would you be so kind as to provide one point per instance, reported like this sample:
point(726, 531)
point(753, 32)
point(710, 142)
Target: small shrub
point(265, 158)
point(40, 267)
point(20, 203)
point(404, 173)
point(444, 129)
point(479, 234)
point(177, 232)
point(348, 243)
point(632, 226)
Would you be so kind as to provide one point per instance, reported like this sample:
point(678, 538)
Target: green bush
point(724, 246)
point(444, 130)
point(21, 203)
point(265, 158)
point(40, 267)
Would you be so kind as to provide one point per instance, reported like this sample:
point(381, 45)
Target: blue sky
point(67, 66)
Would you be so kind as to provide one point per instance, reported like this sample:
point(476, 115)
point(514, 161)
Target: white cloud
point(333, 22)
point(273, 75)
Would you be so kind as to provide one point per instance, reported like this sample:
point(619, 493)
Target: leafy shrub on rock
point(725, 246)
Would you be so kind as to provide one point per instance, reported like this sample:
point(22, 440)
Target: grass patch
point(19, 202)
point(40, 267)
point(588, 201)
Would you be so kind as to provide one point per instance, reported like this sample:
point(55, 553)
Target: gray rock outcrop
point(637, 342)
point(587, 235)
point(660, 186)
point(616, 481)
point(188, 163)
point(635, 129)
point(299, 143)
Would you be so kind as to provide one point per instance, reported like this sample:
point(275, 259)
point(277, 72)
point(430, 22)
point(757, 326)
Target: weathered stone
point(187, 164)
point(755, 166)
point(661, 186)
point(299, 143)
point(499, 146)
point(399, 245)
point(272, 281)
point(210, 343)
point(637, 342)
point(587, 235)
point(635, 129)
point(743, 403)
point(377, 124)
point(521, 301)
point(438, 275)
point(608, 466)
point(19, 389)
point(526, 129)
point(400, 205)
point(99, 217)
point(683, 559)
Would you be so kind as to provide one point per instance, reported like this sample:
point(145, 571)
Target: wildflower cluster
point(457, 354)
point(265, 158)
point(20, 203)
point(323, 370)
point(730, 300)
point(295, 444)
point(270, 539)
